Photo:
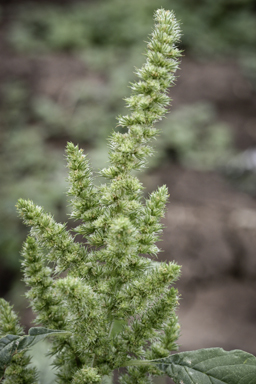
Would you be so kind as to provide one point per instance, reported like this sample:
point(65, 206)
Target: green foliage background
point(220, 27)
point(107, 36)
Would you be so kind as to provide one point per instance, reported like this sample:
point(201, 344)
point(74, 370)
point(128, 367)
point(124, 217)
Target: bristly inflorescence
point(116, 301)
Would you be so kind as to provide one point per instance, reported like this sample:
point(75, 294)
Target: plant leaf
point(210, 366)
point(12, 344)
point(8, 345)
point(117, 327)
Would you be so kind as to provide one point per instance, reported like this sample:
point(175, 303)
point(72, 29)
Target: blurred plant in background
point(193, 137)
point(220, 27)
point(41, 360)
point(28, 167)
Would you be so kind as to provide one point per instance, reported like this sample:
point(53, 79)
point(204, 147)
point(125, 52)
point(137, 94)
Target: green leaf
point(117, 327)
point(210, 366)
point(8, 345)
point(12, 344)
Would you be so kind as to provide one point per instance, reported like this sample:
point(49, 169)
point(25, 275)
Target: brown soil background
point(211, 226)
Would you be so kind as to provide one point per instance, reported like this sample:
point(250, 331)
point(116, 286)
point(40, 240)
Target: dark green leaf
point(6, 340)
point(210, 366)
point(35, 335)
point(8, 344)
point(12, 344)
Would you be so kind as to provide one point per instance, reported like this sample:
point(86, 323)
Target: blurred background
point(64, 71)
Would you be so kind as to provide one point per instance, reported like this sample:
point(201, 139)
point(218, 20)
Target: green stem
point(111, 327)
point(93, 359)
point(140, 362)
point(136, 363)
